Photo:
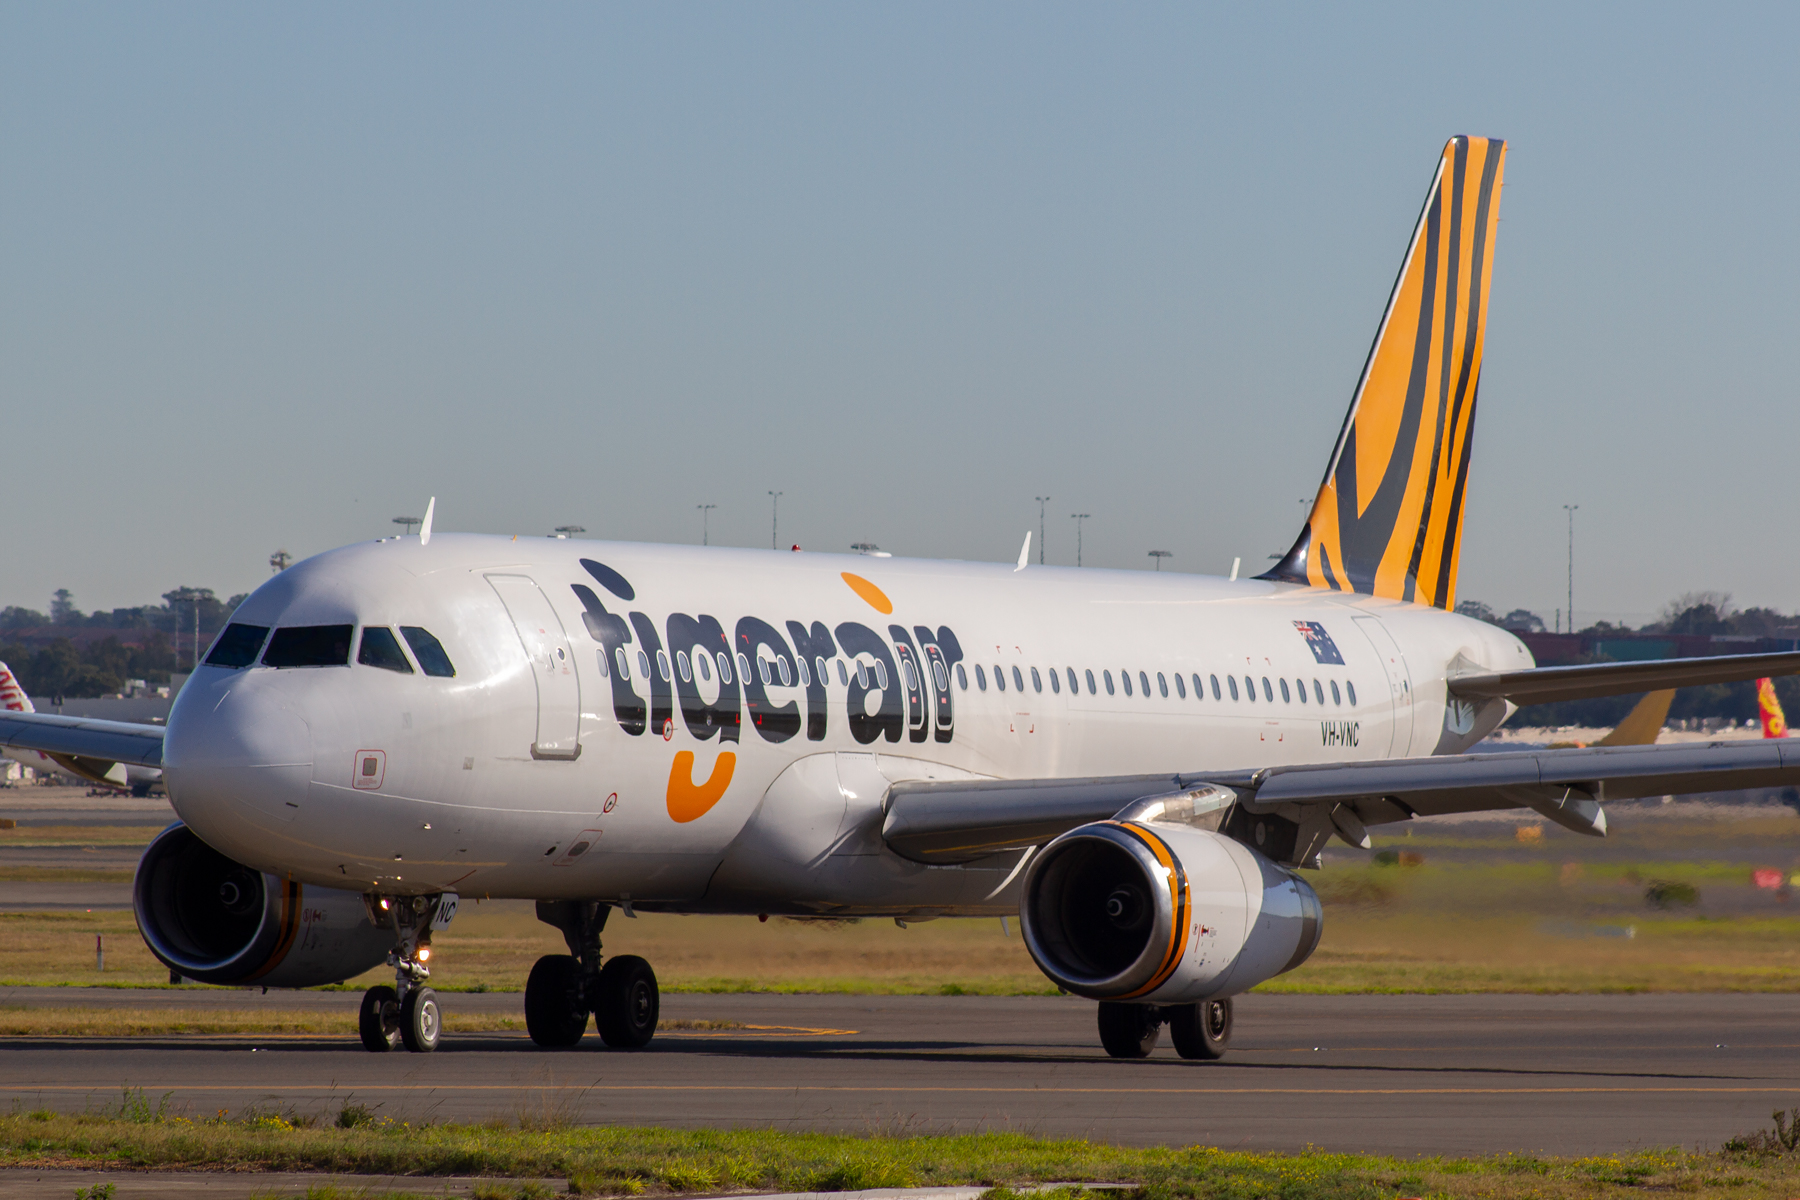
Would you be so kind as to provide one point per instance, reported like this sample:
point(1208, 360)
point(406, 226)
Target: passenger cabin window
point(1107, 675)
point(380, 648)
point(819, 663)
point(862, 674)
point(1250, 688)
point(1000, 678)
point(1300, 686)
point(1318, 691)
point(1232, 680)
point(1037, 683)
point(1180, 687)
point(980, 677)
point(682, 665)
point(1074, 687)
point(309, 646)
point(1125, 681)
point(1335, 697)
point(962, 677)
point(937, 674)
point(881, 675)
point(1055, 681)
point(1018, 679)
point(429, 651)
point(1092, 690)
point(703, 664)
point(1285, 698)
point(1144, 680)
point(843, 675)
point(601, 655)
point(1215, 683)
point(624, 663)
point(662, 665)
point(237, 646)
point(1268, 692)
point(1352, 689)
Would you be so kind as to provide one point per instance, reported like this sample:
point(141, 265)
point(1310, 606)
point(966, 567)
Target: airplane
point(1641, 726)
point(138, 780)
point(1139, 766)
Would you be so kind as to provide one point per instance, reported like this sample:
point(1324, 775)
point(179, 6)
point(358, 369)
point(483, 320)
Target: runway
point(1390, 1074)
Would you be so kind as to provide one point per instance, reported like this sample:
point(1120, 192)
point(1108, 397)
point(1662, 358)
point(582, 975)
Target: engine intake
point(1162, 908)
point(217, 921)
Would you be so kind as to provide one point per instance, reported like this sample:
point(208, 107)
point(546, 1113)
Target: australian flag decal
point(1319, 642)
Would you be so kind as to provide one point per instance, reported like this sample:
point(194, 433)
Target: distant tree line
point(60, 667)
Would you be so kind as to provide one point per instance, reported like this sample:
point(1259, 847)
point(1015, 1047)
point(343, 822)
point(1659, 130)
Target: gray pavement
point(1394, 1074)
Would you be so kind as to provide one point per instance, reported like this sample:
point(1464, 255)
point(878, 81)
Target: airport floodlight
point(1570, 509)
point(1042, 501)
point(410, 523)
point(705, 515)
point(775, 519)
point(1159, 555)
point(1078, 518)
point(569, 531)
point(279, 562)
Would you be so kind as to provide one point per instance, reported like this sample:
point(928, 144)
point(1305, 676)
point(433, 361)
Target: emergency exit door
point(552, 661)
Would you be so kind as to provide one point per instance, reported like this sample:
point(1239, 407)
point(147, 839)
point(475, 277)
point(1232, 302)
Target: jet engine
point(1159, 905)
point(218, 921)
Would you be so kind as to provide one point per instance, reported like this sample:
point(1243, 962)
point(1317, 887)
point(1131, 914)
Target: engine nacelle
point(1161, 908)
point(218, 921)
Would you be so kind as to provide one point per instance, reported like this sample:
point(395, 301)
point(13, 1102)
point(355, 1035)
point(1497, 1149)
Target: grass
point(141, 1132)
point(47, 836)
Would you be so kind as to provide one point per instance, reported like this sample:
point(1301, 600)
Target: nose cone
point(238, 758)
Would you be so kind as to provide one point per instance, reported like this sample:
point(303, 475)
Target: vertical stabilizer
point(12, 696)
point(1388, 517)
point(1774, 721)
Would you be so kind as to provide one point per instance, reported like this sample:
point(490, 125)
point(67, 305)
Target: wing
point(1301, 807)
point(1541, 685)
point(85, 746)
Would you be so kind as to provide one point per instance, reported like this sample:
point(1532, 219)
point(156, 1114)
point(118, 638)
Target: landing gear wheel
point(1129, 1030)
point(379, 1020)
point(626, 1008)
point(554, 1014)
point(420, 1024)
point(1201, 1030)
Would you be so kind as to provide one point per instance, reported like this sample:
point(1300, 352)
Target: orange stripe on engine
point(290, 929)
point(1178, 905)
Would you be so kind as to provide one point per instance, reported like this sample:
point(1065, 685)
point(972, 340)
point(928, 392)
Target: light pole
point(775, 519)
point(705, 514)
point(1078, 518)
point(194, 596)
point(409, 523)
point(1570, 509)
point(1159, 555)
point(1042, 500)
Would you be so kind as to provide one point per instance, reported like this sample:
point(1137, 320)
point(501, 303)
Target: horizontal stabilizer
point(83, 738)
point(1544, 685)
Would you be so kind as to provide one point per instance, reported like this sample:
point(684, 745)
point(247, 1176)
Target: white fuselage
point(530, 773)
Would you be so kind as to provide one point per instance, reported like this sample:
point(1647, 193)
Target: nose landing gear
point(407, 1013)
point(1199, 1031)
point(564, 988)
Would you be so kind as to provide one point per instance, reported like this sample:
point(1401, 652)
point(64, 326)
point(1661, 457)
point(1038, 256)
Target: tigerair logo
point(775, 677)
point(1339, 733)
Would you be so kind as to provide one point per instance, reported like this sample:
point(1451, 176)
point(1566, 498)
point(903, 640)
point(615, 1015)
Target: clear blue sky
point(271, 275)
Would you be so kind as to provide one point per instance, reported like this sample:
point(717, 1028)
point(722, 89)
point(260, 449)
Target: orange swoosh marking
point(875, 596)
point(689, 801)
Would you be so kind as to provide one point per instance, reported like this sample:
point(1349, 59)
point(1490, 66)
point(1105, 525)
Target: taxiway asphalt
point(1391, 1074)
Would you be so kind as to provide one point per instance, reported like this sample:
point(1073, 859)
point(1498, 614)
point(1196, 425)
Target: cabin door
point(552, 662)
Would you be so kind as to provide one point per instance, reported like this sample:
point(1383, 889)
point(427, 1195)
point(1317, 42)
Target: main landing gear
point(564, 988)
point(407, 1013)
point(1201, 1031)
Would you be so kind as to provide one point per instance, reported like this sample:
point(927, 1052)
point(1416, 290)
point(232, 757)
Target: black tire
point(420, 1022)
point(554, 1014)
point(1201, 1031)
point(1129, 1030)
point(626, 1009)
point(379, 1020)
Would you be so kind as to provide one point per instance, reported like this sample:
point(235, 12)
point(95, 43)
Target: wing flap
point(1543, 685)
point(83, 738)
point(962, 821)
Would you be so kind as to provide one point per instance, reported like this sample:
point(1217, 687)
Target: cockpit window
point(429, 651)
point(237, 646)
point(309, 646)
point(380, 648)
